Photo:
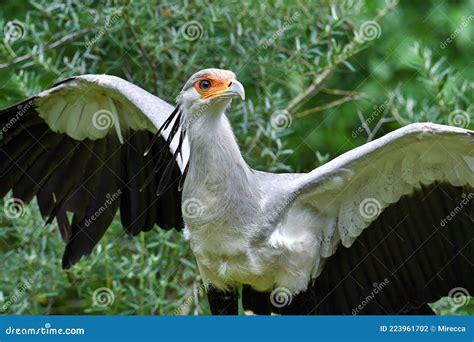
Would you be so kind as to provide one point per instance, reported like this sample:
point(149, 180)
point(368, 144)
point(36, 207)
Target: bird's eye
point(204, 85)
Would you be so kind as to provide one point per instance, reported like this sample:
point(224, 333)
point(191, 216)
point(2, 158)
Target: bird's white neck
point(214, 151)
point(218, 175)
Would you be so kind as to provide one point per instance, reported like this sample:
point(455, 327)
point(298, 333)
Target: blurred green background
point(321, 77)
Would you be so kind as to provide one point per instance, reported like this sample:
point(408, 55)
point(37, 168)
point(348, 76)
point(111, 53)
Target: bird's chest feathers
point(225, 222)
point(230, 252)
point(220, 208)
point(214, 214)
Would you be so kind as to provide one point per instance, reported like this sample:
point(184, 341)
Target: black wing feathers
point(410, 256)
point(90, 179)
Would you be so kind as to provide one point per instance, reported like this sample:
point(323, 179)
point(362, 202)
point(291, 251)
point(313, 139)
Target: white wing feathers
point(350, 192)
point(89, 106)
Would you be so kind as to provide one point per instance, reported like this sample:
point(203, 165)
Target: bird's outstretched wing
point(403, 209)
point(79, 148)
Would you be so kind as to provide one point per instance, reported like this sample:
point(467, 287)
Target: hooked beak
point(236, 89)
point(233, 89)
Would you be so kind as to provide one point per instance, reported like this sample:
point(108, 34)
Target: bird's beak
point(236, 89)
point(233, 89)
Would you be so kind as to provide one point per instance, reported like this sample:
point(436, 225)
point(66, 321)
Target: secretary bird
point(383, 229)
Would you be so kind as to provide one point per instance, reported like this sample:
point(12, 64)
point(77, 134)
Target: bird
point(386, 228)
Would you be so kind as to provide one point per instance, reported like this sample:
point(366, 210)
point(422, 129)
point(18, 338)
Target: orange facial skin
point(218, 85)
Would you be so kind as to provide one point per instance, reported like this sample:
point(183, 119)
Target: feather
point(183, 177)
point(13, 152)
point(162, 128)
point(134, 215)
point(163, 151)
point(71, 176)
point(41, 170)
point(55, 188)
point(80, 198)
point(17, 170)
point(166, 176)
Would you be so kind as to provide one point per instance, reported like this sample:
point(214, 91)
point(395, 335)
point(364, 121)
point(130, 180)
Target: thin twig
point(387, 9)
point(328, 105)
point(349, 50)
point(383, 119)
point(67, 38)
point(310, 90)
point(377, 127)
point(363, 122)
point(342, 92)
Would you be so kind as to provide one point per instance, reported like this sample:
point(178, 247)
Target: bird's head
point(206, 94)
point(209, 92)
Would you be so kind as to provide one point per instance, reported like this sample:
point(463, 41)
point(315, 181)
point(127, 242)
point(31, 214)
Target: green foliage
point(150, 274)
point(311, 74)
